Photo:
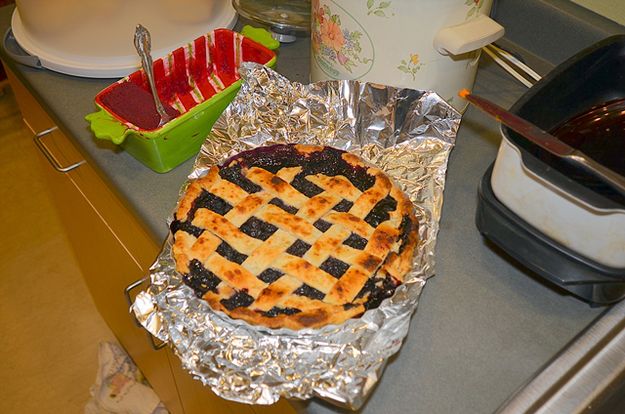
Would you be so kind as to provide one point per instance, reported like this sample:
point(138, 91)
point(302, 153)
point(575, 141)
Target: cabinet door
point(281, 407)
point(107, 264)
point(108, 268)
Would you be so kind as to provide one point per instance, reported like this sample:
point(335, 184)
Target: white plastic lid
point(92, 38)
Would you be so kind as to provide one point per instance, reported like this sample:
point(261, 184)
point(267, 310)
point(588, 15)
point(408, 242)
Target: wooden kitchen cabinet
point(114, 250)
point(106, 262)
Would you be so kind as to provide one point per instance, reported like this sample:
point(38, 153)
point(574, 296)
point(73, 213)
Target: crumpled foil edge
point(407, 133)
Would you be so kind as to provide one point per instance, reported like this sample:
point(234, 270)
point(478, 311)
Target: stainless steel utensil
point(506, 60)
point(548, 142)
point(143, 44)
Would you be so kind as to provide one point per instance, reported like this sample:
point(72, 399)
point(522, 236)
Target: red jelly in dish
point(185, 78)
point(134, 104)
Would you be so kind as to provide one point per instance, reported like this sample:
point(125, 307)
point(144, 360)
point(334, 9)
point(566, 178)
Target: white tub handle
point(468, 36)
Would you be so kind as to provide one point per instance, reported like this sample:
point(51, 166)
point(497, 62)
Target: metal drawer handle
point(129, 288)
point(55, 164)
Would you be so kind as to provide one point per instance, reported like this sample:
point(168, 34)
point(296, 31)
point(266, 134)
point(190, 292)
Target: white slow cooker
point(561, 223)
point(594, 232)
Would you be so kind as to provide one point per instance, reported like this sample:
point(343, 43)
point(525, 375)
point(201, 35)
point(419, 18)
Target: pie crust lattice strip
point(294, 236)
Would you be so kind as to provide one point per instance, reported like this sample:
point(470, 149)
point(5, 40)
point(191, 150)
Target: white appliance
point(418, 44)
point(552, 216)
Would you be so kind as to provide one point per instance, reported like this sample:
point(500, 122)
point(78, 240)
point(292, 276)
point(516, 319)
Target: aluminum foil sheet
point(409, 134)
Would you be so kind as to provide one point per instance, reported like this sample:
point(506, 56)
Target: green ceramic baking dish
point(195, 82)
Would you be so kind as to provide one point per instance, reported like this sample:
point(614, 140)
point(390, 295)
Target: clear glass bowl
point(285, 18)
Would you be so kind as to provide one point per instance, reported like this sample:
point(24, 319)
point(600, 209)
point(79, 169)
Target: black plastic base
point(590, 281)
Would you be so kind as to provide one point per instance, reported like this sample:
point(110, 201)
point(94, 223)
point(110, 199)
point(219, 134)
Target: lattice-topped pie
point(294, 236)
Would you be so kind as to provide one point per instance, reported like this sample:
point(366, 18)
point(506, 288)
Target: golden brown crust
point(301, 261)
point(194, 190)
point(336, 185)
point(314, 318)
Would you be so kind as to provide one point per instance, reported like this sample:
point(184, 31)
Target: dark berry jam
point(356, 241)
point(335, 267)
point(309, 292)
point(322, 225)
point(258, 229)
point(299, 248)
point(301, 184)
point(239, 299)
point(279, 203)
point(405, 228)
point(227, 252)
point(185, 226)
point(377, 289)
point(210, 202)
point(270, 275)
point(275, 311)
point(343, 206)
point(380, 212)
point(235, 176)
point(200, 279)
point(327, 161)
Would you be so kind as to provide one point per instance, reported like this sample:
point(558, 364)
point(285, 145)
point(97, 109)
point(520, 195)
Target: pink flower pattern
point(332, 36)
point(475, 6)
point(334, 43)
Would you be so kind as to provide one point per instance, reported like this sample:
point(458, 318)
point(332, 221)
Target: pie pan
point(198, 81)
point(408, 134)
point(296, 236)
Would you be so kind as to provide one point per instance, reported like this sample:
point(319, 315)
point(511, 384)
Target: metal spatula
point(548, 142)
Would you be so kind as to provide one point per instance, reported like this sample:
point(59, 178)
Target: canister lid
point(91, 38)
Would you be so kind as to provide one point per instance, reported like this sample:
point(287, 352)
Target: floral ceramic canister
point(419, 44)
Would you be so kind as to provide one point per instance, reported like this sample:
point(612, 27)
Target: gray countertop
point(484, 325)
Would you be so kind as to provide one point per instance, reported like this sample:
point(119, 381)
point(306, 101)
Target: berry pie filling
point(294, 236)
